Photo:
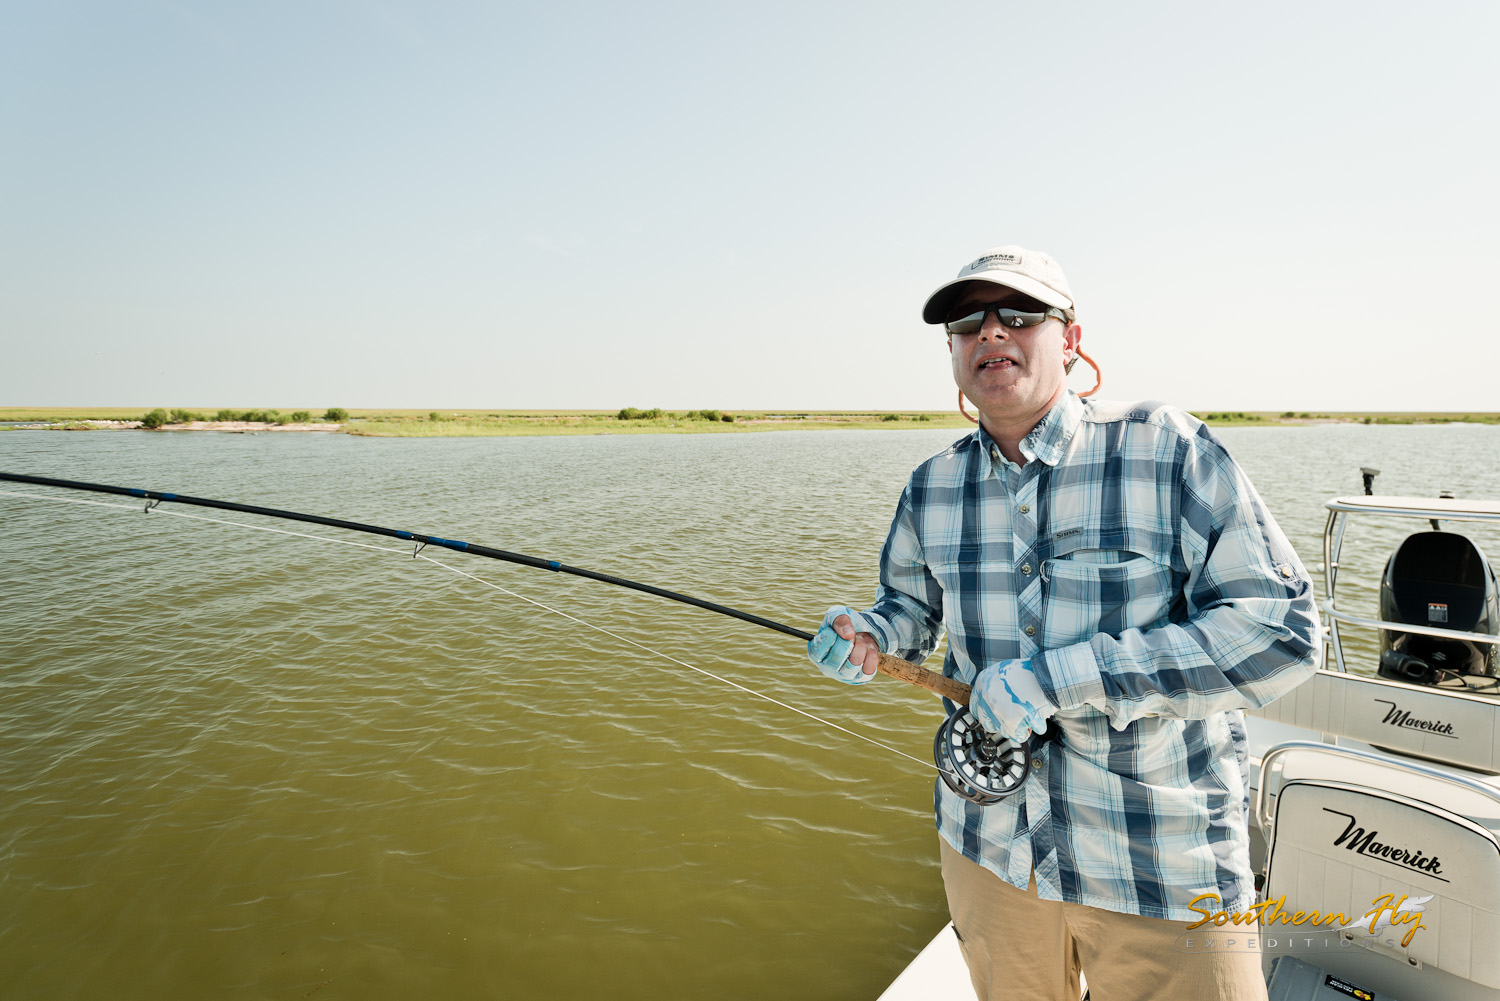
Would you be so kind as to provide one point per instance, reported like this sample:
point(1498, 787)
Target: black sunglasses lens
point(1018, 318)
point(1008, 317)
point(967, 324)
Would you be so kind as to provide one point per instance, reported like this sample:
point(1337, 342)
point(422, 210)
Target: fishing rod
point(977, 765)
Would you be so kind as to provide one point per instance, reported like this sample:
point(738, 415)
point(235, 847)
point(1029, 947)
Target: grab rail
point(1262, 812)
point(1402, 627)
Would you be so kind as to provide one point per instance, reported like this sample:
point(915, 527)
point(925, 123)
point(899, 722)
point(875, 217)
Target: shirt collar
point(1049, 439)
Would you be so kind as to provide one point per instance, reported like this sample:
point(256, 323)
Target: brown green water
point(243, 765)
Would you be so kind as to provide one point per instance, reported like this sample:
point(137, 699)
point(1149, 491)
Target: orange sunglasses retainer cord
point(1098, 381)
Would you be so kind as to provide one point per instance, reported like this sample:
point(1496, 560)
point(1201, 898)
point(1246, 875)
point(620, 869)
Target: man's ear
point(950, 344)
point(1071, 337)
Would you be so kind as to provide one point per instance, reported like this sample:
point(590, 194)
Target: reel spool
point(980, 766)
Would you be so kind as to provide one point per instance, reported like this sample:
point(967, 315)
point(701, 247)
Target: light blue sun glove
point(830, 651)
point(1009, 701)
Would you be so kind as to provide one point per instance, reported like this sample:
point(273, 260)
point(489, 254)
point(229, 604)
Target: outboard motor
point(1440, 579)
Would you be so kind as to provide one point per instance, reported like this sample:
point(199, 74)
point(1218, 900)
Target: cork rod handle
point(912, 674)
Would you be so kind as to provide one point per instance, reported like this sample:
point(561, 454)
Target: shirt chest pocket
point(1090, 591)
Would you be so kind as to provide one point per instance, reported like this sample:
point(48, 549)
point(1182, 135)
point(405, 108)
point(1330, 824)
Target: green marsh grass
point(635, 421)
point(465, 423)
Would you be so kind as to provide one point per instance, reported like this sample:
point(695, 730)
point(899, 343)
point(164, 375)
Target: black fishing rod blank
point(417, 537)
point(974, 764)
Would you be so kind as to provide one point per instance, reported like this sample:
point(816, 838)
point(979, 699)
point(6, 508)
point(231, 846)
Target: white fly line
point(416, 554)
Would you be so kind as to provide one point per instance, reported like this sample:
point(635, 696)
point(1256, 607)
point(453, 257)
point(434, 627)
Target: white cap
point(1030, 272)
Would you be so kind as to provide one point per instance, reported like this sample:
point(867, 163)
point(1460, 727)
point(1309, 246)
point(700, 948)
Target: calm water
point(243, 765)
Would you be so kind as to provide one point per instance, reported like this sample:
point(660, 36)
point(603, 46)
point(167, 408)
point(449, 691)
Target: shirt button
point(1036, 764)
point(994, 453)
point(1030, 630)
point(1026, 568)
point(1025, 508)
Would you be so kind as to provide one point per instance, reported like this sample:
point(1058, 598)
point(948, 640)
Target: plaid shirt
point(1135, 566)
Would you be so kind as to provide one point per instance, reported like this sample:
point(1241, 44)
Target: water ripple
point(244, 765)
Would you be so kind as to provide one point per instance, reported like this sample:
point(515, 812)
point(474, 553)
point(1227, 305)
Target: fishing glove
point(830, 651)
point(1008, 700)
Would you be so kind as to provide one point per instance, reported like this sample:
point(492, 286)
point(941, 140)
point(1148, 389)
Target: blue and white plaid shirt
point(1133, 563)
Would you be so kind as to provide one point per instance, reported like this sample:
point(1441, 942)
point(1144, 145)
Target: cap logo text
point(996, 261)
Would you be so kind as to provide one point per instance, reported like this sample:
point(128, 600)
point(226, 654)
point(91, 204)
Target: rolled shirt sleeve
point(1250, 632)
point(907, 618)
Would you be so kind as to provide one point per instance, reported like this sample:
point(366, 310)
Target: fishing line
point(153, 509)
point(154, 497)
point(978, 765)
point(681, 663)
point(950, 688)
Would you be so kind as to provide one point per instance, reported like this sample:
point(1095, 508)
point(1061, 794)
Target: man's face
point(1013, 375)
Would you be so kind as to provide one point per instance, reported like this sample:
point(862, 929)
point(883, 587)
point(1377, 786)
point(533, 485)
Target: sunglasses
point(1008, 317)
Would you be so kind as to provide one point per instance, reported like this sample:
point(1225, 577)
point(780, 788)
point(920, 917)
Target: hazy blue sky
point(592, 205)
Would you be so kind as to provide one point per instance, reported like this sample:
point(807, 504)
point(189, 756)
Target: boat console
point(1378, 821)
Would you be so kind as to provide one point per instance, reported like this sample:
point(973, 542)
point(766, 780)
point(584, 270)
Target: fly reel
point(980, 766)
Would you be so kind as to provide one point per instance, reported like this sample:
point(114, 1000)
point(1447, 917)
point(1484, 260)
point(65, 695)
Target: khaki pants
point(1020, 948)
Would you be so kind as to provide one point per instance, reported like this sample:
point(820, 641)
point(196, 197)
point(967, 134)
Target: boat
point(1375, 795)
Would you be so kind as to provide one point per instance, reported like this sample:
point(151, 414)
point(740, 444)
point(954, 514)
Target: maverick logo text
point(1357, 839)
point(1398, 717)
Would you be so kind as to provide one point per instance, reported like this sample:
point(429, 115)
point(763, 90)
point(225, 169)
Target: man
point(1106, 569)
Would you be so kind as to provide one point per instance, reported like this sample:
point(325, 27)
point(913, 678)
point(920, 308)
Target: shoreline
point(99, 424)
point(433, 424)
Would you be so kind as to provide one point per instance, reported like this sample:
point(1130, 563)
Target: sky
point(1274, 206)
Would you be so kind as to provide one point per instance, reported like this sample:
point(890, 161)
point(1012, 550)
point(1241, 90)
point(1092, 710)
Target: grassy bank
point(466, 423)
point(463, 423)
point(1290, 418)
